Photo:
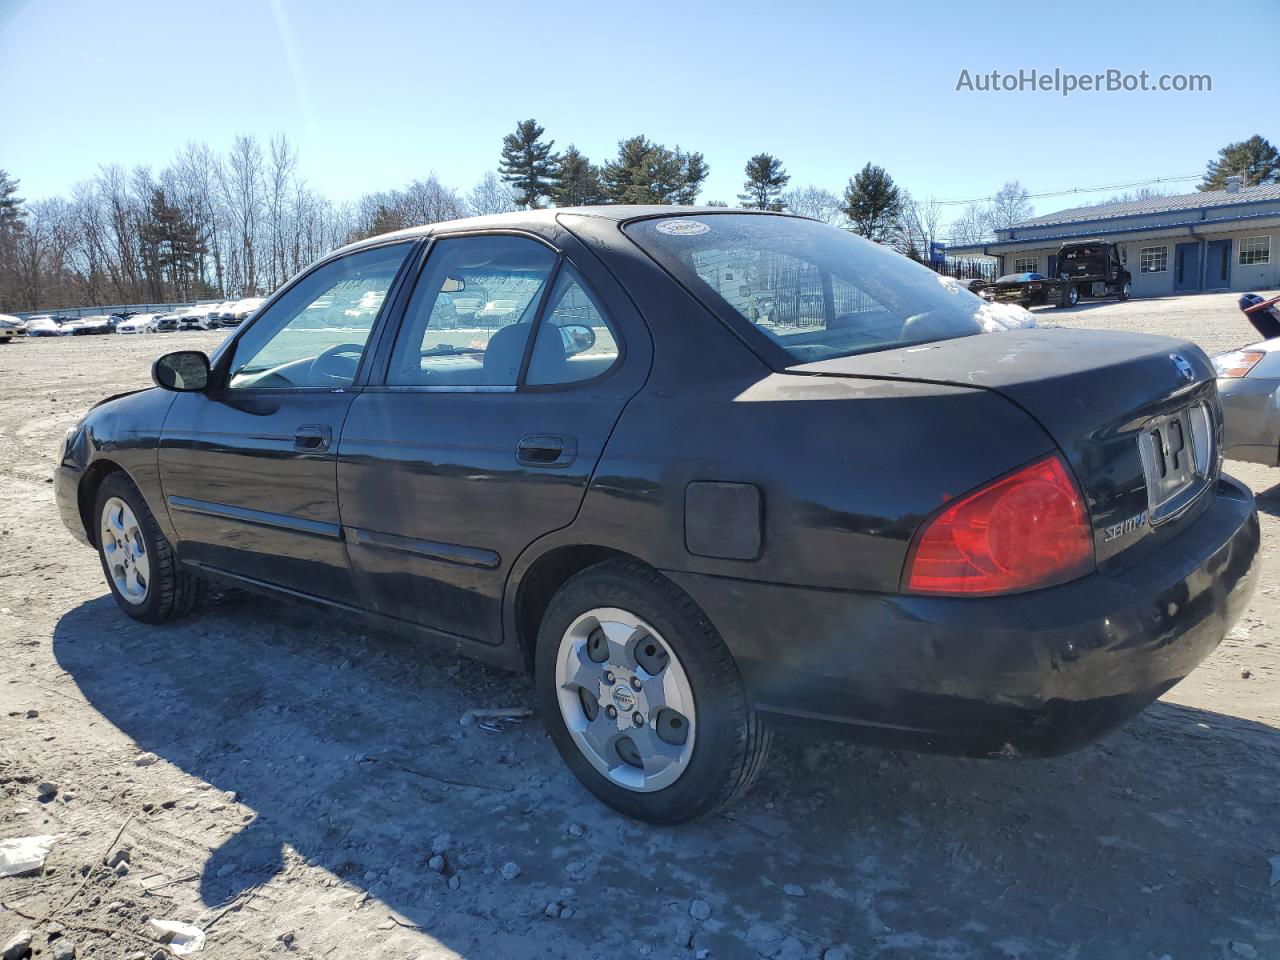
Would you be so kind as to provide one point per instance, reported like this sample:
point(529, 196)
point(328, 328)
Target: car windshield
point(813, 290)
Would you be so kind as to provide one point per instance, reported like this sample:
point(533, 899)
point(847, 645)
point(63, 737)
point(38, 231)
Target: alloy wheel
point(625, 699)
point(125, 551)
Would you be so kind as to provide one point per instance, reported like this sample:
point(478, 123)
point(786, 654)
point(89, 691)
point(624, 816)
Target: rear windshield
point(813, 290)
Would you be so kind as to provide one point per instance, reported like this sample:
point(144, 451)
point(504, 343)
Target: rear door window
point(471, 313)
point(575, 340)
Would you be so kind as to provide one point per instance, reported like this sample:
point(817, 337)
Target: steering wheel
point(336, 365)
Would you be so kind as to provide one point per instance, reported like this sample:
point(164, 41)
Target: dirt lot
point(284, 781)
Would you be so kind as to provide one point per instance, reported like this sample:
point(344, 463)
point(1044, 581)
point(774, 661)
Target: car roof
point(526, 219)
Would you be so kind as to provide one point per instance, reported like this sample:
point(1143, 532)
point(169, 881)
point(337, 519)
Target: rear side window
point(471, 313)
point(812, 290)
point(575, 341)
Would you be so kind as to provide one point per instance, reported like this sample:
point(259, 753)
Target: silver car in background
point(1249, 385)
point(11, 327)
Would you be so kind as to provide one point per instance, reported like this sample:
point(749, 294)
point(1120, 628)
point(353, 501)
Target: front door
point(248, 467)
point(1186, 266)
point(1217, 268)
point(505, 381)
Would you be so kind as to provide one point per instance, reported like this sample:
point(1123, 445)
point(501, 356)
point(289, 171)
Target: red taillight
point(1027, 530)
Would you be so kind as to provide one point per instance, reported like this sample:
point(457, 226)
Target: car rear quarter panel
point(847, 467)
point(847, 470)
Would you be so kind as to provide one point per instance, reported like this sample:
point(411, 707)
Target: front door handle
point(312, 436)
point(546, 450)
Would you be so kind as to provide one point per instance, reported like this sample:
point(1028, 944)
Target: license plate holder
point(1175, 452)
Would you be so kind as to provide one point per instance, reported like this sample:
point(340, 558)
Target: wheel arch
point(536, 581)
point(87, 492)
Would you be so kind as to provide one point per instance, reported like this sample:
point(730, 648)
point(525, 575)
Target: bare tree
point(1010, 206)
point(972, 226)
point(491, 195)
point(241, 187)
point(918, 226)
point(815, 202)
point(282, 164)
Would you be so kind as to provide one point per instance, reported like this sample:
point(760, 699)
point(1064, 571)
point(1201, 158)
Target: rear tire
point(1070, 296)
point(145, 577)
point(655, 777)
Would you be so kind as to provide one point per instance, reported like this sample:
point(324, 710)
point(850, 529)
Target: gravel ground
point(293, 785)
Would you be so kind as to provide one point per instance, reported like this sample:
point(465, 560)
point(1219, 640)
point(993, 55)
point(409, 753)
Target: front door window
point(315, 334)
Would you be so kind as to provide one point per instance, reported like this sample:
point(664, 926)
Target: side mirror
point(577, 337)
point(186, 371)
point(453, 285)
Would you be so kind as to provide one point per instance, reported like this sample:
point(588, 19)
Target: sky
point(376, 93)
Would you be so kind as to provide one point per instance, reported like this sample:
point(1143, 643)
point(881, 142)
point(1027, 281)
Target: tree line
point(241, 222)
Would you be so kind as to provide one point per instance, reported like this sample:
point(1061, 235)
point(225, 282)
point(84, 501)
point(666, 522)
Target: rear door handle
point(312, 436)
point(547, 450)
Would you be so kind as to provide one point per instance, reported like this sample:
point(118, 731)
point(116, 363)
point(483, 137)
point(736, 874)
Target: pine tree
point(765, 180)
point(577, 181)
point(872, 203)
point(10, 202)
point(11, 227)
point(1254, 159)
point(171, 249)
point(528, 163)
point(648, 172)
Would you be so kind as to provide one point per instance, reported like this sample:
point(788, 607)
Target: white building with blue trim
point(1213, 240)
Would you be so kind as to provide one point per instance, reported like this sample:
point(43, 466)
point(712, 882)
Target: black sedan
point(694, 515)
point(1025, 289)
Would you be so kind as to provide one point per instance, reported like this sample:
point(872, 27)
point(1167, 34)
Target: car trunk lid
point(1136, 416)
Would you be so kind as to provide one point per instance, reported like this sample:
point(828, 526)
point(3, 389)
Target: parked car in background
point(11, 327)
point(240, 311)
point(44, 326)
point(89, 326)
point(193, 318)
point(1249, 387)
point(903, 514)
point(496, 312)
point(166, 322)
point(1025, 289)
point(140, 323)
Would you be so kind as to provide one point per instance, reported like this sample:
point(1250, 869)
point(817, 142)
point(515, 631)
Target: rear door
point(487, 427)
point(248, 467)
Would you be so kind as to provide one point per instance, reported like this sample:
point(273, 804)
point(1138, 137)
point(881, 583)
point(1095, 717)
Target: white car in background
point(192, 318)
point(139, 323)
point(11, 327)
point(240, 311)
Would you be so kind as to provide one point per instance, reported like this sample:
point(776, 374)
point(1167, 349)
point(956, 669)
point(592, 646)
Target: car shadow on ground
point(1269, 500)
point(346, 752)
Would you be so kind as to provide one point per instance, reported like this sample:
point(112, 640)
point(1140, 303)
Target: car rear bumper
point(1039, 673)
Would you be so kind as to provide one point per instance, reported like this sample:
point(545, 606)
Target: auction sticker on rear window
point(682, 227)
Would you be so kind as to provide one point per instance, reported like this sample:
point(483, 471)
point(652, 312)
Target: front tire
point(144, 575)
point(1124, 291)
point(642, 698)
